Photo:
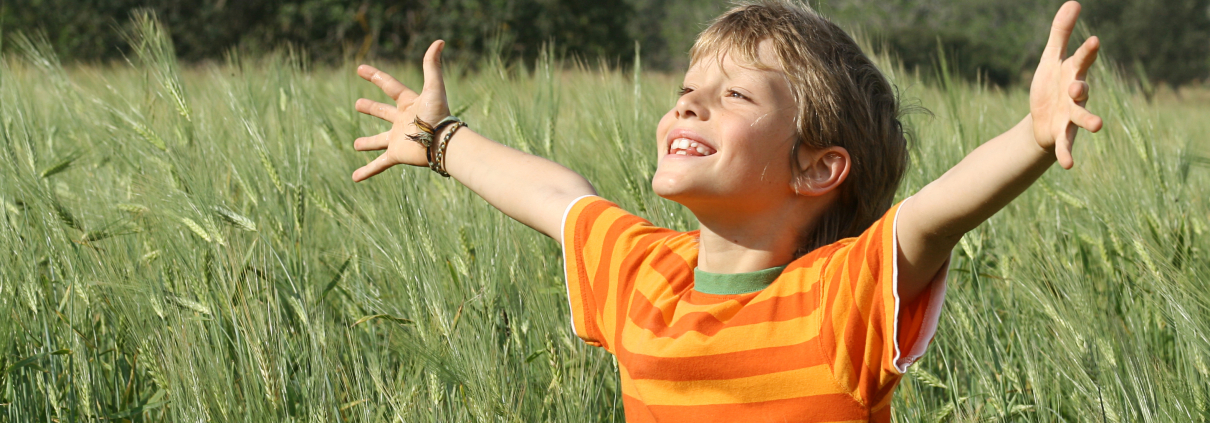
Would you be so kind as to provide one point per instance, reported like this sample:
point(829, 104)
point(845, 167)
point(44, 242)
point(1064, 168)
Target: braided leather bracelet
point(438, 165)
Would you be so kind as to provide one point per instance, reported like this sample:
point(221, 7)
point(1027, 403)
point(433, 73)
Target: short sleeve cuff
point(574, 273)
point(915, 322)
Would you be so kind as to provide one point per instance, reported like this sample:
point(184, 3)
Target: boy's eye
point(683, 91)
point(736, 94)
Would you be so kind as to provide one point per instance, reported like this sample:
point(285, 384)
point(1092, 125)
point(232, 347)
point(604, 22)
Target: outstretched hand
point(430, 106)
point(1059, 92)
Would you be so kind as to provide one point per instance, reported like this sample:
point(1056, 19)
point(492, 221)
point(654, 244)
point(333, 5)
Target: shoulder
point(873, 246)
point(819, 257)
point(597, 227)
point(840, 259)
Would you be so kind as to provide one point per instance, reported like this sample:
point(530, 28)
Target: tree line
point(997, 41)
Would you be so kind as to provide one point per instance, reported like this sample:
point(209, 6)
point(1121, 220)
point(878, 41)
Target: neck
point(755, 239)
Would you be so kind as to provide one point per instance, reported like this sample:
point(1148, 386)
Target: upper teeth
point(688, 144)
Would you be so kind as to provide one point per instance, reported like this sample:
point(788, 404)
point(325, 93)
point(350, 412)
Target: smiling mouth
point(688, 147)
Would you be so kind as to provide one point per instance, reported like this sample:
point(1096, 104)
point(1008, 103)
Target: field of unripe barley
point(185, 244)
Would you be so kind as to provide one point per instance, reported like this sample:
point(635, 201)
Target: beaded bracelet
point(438, 165)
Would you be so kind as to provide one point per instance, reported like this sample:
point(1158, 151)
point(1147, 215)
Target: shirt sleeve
point(603, 246)
point(870, 335)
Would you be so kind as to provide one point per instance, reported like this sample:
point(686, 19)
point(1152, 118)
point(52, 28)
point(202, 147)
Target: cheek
point(762, 153)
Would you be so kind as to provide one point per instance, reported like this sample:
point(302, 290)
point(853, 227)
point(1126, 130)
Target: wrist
point(1034, 146)
point(443, 126)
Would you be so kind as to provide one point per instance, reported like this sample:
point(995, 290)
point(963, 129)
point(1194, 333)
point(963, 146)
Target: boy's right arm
point(531, 189)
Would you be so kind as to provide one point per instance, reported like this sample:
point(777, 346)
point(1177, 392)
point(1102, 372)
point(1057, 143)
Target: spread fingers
point(1060, 30)
point(1063, 148)
point(433, 80)
point(376, 142)
point(1085, 56)
point(1085, 119)
point(373, 168)
point(389, 85)
point(379, 110)
point(1078, 91)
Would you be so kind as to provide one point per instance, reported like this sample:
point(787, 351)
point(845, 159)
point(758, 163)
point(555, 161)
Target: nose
point(690, 105)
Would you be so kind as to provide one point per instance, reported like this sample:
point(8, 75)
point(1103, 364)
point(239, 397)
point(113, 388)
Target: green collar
point(734, 283)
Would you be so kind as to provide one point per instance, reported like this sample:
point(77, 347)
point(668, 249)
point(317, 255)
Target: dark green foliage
point(85, 29)
point(331, 30)
point(520, 28)
point(1166, 41)
point(997, 41)
point(667, 28)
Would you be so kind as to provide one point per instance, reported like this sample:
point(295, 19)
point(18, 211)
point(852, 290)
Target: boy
point(804, 295)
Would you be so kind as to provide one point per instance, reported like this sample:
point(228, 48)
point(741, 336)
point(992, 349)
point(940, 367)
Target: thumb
point(432, 69)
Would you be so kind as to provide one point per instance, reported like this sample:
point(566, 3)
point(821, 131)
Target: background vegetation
point(995, 41)
point(184, 244)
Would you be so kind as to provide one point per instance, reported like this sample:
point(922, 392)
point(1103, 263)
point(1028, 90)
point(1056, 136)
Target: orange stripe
point(604, 289)
point(695, 297)
point(840, 309)
point(856, 333)
point(609, 245)
point(647, 316)
point(828, 338)
point(665, 277)
point(636, 411)
point(697, 301)
point(594, 292)
point(882, 415)
point(583, 219)
point(734, 365)
point(676, 270)
point(868, 360)
point(812, 259)
point(728, 340)
point(882, 398)
point(875, 278)
point(864, 343)
point(855, 344)
point(626, 278)
point(624, 236)
point(796, 383)
point(812, 409)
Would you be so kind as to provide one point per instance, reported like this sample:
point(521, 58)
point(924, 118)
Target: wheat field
point(185, 244)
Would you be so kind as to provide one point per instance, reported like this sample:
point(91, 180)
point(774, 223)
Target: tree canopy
point(995, 40)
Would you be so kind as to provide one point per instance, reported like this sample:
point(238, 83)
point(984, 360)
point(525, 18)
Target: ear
point(820, 171)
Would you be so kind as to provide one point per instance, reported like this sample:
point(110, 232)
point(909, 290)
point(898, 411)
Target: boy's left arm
point(934, 220)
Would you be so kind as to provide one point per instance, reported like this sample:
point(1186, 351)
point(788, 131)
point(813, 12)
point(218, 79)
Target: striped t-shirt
point(821, 343)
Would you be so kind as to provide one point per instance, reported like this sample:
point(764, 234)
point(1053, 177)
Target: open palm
point(1059, 92)
point(430, 106)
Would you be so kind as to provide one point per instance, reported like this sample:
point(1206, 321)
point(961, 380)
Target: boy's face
point(727, 141)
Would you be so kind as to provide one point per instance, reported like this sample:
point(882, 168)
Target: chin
point(664, 188)
point(667, 185)
point(676, 188)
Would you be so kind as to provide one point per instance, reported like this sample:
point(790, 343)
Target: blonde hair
point(843, 100)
